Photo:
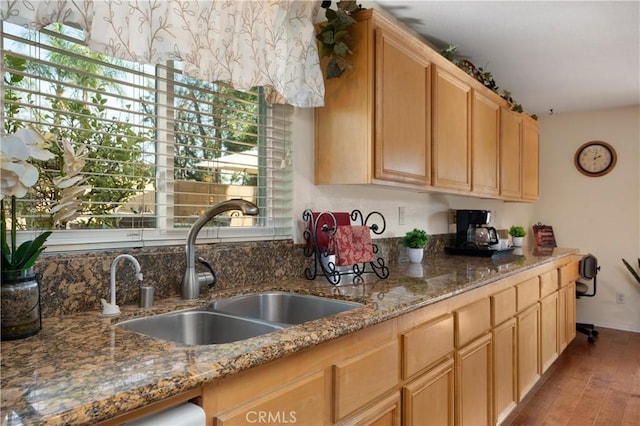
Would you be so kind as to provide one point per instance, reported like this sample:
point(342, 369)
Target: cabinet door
point(510, 154)
point(571, 311)
point(485, 154)
point(429, 400)
point(360, 380)
point(528, 345)
point(451, 132)
point(548, 330)
point(530, 159)
point(505, 391)
point(301, 402)
point(474, 383)
point(562, 319)
point(384, 413)
point(403, 122)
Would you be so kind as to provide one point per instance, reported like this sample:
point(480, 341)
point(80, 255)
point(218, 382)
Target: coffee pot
point(482, 235)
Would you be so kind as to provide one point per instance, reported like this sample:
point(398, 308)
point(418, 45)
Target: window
point(161, 147)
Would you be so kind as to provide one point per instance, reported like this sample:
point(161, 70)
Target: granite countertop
point(81, 369)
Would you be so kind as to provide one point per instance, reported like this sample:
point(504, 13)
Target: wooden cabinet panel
point(472, 321)
point(503, 306)
point(530, 159)
point(548, 283)
point(300, 402)
point(485, 137)
point(569, 273)
point(474, 383)
point(429, 400)
point(362, 379)
point(384, 413)
point(549, 310)
point(344, 126)
point(403, 116)
point(571, 311)
point(451, 132)
point(426, 344)
point(528, 349)
point(505, 391)
point(527, 293)
point(510, 154)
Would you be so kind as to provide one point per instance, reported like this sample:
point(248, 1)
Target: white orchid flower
point(16, 174)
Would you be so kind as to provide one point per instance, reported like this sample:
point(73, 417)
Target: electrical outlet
point(401, 215)
point(620, 298)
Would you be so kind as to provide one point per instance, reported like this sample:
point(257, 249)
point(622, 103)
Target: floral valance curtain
point(247, 43)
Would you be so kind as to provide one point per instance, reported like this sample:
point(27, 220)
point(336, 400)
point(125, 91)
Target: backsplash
point(76, 281)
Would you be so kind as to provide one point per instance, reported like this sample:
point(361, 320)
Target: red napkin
point(353, 245)
point(342, 219)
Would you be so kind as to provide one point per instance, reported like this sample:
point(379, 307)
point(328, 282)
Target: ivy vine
point(334, 36)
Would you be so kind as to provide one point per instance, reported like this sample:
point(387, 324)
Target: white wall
point(597, 215)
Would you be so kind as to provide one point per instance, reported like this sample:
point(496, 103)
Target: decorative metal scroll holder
point(322, 265)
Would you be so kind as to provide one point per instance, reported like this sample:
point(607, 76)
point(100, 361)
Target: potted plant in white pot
point(517, 235)
point(415, 240)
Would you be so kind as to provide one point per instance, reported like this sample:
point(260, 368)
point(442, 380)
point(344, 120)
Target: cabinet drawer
point(548, 283)
point(503, 306)
point(426, 344)
point(569, 273)
point(302, 401)
point(472, 321)
point(363, 378)
point(527, 293)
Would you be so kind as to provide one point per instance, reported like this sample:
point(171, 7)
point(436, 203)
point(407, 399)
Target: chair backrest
point(588, 267)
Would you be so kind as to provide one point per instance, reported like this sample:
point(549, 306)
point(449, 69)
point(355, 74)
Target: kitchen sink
point(197, 327)
point(282, 307)
point(237, 318)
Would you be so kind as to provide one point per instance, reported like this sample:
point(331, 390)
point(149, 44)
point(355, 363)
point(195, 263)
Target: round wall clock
point(595, 158)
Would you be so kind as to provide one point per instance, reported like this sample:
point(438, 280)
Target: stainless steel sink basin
point(282, 307)
point(197, 327)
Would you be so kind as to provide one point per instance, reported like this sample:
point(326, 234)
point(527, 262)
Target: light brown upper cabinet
point(405, 116)
point(375, 126)
point(485, 146)
point(530, 159)
point(451, 131)
point(402, 111)
point(510, 154)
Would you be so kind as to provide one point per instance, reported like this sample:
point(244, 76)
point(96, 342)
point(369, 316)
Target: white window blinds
point(162, 146)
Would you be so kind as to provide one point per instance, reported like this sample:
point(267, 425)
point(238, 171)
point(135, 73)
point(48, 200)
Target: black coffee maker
point(473, 233)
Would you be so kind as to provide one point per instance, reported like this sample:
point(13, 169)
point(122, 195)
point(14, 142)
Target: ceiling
point(564, 56)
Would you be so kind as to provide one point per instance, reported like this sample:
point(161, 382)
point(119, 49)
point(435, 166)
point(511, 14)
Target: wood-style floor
point(589, 384)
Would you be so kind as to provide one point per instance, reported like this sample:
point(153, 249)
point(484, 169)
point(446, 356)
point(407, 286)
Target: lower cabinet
point(467, 360)
point(384, 413)
point(473, 382)
point(528, 359)
point(549, 314)
point(429, 399)
point(505, 391)
point(296, 402)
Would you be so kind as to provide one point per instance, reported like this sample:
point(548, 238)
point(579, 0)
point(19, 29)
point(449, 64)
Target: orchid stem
point(13, 228)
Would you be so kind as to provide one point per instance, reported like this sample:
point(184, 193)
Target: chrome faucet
point(192, 281)
point(111, 309)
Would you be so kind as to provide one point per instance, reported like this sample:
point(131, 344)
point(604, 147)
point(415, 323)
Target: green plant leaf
point(341, 49)
point(28, 252)
point(333, 70)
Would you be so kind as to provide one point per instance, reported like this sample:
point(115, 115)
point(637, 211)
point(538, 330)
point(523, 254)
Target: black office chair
point(588, 270)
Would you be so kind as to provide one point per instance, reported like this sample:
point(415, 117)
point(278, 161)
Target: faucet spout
point(111, 309)
point(191, 281)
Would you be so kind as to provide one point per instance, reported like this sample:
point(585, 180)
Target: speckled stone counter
point(81, 369)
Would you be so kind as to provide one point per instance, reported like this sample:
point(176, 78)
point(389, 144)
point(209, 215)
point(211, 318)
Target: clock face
point(595, 158)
